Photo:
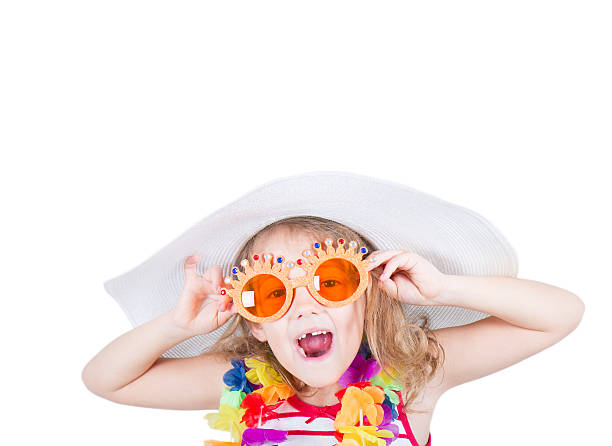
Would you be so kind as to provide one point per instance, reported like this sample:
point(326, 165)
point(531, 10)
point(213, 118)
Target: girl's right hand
point(199, 308)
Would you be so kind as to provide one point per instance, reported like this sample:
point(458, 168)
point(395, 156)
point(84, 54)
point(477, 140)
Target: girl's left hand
point(407, 276)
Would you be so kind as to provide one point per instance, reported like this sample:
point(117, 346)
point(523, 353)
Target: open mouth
point(314, 344)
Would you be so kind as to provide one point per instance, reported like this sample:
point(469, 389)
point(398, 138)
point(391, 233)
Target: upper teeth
point(313, 333)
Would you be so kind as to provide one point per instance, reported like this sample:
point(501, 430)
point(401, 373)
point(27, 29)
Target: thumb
point(190, 266)
point(215, 275)
point(224, 315)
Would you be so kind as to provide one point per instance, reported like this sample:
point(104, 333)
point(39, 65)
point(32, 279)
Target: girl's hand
point(407, 276)
point(199, 308)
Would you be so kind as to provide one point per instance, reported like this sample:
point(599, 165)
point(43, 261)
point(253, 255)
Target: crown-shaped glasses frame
point(313, 257)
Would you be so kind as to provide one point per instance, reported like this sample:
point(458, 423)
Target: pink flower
point(359, 370)
point(259, 437)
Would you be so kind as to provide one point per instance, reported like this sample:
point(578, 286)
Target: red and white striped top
point(316, 424)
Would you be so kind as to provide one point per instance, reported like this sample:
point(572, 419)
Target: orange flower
point(367, 400)
point(275, 392)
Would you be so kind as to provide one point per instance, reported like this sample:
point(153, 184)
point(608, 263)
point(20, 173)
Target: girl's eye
point(277, 293)
point(330, 283)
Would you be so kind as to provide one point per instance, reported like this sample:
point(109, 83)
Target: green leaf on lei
point(232, 397)
point(388, 388)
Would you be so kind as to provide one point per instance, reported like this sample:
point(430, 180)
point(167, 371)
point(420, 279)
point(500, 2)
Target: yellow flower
point(348, 442)
point(386, 378)
point(367, 400)
point(261, 372)
point(227, 416)
point(272, 393)
point(370, 435)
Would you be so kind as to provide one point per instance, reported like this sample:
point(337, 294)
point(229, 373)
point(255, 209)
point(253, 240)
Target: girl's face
point(305, 315)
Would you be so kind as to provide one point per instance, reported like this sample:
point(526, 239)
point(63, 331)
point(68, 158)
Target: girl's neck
point(324, 396)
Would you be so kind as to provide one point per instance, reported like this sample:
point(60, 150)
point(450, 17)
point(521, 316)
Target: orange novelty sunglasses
point(334, 276)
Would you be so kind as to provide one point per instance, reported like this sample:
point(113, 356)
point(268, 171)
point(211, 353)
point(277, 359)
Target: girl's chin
point(324, 375)
point(319, 382)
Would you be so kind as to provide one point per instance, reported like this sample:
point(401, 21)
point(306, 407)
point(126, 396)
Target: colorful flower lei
point(254, 389)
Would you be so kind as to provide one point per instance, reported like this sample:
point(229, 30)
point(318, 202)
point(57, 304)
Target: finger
point(224, 302)
point(225, 311)
point(190, 266)
point(391, 287)
point(392, 265)
point(214, 275)
point(380, 257)
point(228, 307)
point(222, 318)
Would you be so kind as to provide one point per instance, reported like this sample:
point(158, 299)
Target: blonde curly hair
point(408, 350)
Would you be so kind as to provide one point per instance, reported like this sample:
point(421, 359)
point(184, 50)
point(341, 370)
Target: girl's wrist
point(448, 291)
point(174, 331)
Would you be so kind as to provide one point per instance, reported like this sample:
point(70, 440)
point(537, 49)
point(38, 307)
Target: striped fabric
point(313, 425)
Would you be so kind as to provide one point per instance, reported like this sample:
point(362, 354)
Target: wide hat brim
point(455, 239)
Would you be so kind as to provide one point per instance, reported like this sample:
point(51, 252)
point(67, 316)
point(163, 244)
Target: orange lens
point(338, 279)
point(268, 295)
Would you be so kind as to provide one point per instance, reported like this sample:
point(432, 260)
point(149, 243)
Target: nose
point(304, 303)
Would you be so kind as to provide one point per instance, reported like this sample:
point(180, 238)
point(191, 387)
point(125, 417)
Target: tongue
point(316, 344)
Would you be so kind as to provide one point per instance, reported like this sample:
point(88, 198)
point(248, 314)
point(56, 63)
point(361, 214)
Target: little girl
point(311, 336)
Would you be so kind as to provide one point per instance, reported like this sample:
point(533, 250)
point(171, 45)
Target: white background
point(123, 123)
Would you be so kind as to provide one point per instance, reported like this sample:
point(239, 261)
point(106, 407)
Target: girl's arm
point(526, 317)
point(129, 370)
point(130, 355)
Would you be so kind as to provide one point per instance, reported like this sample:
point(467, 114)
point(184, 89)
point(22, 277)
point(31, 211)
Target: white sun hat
point(455, 239)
